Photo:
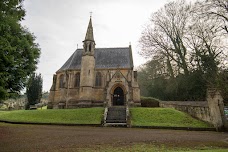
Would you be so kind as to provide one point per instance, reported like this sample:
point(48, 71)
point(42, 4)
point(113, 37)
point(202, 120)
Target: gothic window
point(90, 47)
point(98, 79)
point(85, 47)
point(61, 81)
point(77, 80)
point(135, 75)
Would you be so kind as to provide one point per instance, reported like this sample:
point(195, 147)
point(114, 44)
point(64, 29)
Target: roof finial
point(90, 14)
point(77, 46)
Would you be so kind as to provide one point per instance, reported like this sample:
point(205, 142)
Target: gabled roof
point(105, 58)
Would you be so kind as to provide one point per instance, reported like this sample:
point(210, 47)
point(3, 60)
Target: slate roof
point(105, 58)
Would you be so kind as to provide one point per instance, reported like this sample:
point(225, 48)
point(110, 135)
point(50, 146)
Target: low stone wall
point(197, 109)
point(211, 110)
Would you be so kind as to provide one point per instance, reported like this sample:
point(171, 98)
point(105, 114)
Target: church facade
point(95, 77)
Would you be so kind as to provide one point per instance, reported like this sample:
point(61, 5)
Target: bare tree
point(206, 42)
point(164, 36)
point(216, 10)
point(187, 43)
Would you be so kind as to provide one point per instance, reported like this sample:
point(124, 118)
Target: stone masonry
point(95, 77)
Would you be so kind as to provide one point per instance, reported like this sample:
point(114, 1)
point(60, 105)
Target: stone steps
point(116, 116)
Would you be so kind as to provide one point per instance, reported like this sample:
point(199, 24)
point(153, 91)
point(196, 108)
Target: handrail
point(127, 116)
point(105, 114)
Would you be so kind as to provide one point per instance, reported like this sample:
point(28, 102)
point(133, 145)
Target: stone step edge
point(115, 124)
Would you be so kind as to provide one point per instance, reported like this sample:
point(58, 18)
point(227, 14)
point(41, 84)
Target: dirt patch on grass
point(72, 138)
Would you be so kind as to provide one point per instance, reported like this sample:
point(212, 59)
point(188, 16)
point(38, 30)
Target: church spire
point(89, 33)
point(89, 43)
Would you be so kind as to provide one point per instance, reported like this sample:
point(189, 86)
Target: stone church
point(95, 77)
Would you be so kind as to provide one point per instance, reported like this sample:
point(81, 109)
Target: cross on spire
point(90, 14)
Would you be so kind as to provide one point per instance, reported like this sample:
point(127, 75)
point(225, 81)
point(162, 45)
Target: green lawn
point(69, 116)
point(150, 148)
point(163, 117)
point(139, 117)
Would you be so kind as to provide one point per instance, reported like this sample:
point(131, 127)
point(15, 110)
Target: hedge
point(149, 102)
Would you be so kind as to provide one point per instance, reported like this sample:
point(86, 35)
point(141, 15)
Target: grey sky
point(60, 25)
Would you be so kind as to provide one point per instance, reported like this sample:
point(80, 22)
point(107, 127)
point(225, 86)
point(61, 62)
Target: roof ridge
point(107, 48)
point(112, 47)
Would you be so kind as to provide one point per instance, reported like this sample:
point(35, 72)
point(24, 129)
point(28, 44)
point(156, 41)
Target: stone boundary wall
point(197, 109)
point(211, 110)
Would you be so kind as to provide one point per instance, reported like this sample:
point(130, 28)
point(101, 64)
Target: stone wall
point(71, 96)
point(197, 109)
point(211, 111)
point(98, 94)
point(15, 104)
point(216, 107)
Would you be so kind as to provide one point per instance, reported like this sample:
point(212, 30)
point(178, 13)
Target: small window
point(61, 81)
point(135, 75)
point(77, 80)
point(90, 47)
point(85, 47)
point(98, 79)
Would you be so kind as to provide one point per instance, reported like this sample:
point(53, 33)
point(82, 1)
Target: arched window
point(98, 82)
point(61, 81)
point(77, 80)
point(85, 47)
point(90, 47)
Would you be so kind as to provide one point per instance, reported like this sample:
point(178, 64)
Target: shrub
point(149, 102)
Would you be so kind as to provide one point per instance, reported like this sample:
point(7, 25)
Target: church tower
point(87, 65)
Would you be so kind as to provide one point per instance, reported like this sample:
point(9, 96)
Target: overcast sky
point(59, 25)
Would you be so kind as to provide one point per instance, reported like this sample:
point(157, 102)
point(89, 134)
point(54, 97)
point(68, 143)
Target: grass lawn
point(151, 148)
point(70, 116)
point(167, 117)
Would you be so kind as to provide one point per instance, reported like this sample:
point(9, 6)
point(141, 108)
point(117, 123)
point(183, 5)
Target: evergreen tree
point(34, 89)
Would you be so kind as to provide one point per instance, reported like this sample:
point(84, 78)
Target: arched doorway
point(118, 97)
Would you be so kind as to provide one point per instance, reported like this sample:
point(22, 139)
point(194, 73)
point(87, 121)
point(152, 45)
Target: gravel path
point(15, 137)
